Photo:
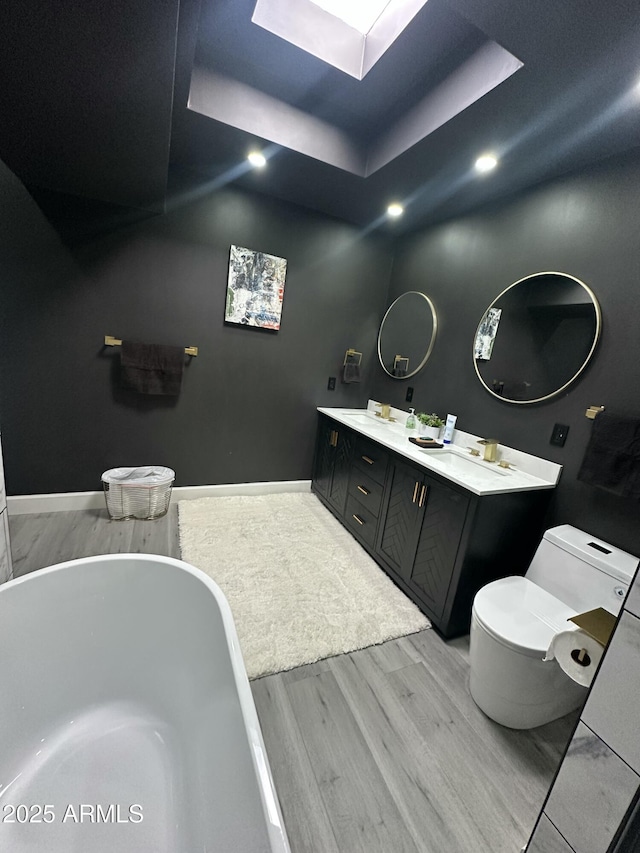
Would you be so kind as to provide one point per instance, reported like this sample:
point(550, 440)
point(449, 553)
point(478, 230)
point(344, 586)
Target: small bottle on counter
point(411, 419)
point(448, 429)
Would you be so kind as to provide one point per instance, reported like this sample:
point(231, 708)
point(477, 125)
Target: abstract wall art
point(255, 288)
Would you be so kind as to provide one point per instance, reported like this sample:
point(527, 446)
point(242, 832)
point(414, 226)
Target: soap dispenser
point(411, 419)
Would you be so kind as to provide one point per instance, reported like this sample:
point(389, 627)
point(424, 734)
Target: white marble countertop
point(454, 462)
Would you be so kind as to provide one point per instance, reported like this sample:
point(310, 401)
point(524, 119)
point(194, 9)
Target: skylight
point(297, 105)
point(359, 14)
point(351, 35)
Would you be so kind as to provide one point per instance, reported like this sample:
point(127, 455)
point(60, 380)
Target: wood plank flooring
point(382, 750)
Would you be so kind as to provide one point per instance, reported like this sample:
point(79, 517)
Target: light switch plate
point(559, 435)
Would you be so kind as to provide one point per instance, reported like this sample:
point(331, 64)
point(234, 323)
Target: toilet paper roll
point(577, 654)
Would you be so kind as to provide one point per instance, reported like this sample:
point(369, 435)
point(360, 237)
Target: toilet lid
point(520, 614)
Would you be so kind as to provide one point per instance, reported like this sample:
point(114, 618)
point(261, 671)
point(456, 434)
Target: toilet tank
point(582, 571)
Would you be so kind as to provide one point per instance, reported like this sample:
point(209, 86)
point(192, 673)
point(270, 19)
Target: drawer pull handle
point(334, 438)
point(415, 492)
point(363, 490)
point(423, 494)
point(368, 460)
point(359, 520)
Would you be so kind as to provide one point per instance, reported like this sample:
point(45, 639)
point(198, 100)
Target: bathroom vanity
point(441, 523)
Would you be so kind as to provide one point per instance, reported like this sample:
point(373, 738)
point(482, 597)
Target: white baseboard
point(66, 501)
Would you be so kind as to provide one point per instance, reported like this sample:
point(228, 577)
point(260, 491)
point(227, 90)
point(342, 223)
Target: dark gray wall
point(247, 407)
point(585, 225)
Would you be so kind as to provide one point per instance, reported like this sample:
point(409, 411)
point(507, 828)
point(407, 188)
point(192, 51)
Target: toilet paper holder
point(581, 656)
point(598, 623)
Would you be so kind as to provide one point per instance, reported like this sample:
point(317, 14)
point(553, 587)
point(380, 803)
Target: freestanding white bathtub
point(127, 724)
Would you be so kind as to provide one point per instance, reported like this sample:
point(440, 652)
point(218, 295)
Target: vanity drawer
point(365, 490)
point(361, 521)
point(371, 458)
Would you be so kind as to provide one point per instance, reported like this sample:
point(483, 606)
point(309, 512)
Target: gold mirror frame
point(434, 320)
point(596, 338)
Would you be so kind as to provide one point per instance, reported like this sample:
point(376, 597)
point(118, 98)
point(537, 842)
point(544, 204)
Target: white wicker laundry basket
point(142, 493)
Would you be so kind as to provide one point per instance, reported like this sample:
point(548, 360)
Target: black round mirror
point(537, 337)
point(407, 335)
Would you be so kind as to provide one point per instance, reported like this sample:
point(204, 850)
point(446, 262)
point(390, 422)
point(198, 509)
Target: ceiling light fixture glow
point(486, 163)
point(394, 210)
point(359, 14)
point(257, 159)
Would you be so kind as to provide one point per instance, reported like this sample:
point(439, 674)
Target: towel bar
point(110, 341)
point(400, 362)
point(352, 356)
point(592, 411)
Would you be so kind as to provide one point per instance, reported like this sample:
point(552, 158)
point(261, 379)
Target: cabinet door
point(445, 511)
point(324, 457)
point(342, 455)
point(397, 540)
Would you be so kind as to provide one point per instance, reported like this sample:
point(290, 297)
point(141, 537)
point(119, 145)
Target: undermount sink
point(455, 462)
point(369, 420)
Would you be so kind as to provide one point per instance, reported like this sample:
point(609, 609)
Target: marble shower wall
point(599, 778)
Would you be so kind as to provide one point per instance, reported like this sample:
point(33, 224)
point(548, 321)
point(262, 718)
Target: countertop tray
point(426, 443)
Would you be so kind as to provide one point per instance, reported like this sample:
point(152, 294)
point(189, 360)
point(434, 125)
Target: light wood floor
point(382, 750)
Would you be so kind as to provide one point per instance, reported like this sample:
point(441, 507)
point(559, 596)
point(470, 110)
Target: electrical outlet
point(409, 396)
point(559, 435)
point(331, 384)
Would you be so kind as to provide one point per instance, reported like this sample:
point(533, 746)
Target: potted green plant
point(429, 425)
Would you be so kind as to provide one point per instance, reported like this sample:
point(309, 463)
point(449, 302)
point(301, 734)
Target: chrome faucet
point(490, 448)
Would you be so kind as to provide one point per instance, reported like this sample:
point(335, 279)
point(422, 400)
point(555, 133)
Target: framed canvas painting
point(255, 288)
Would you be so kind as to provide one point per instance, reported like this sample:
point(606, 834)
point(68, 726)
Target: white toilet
point(514, 620)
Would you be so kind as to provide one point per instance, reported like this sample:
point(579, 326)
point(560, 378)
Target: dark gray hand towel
point(612, 458)
point(151, 368)
point(351, 373)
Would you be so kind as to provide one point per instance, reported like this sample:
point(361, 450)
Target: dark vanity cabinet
point(334, 450)
point(367, 476)
point(420, 532)
point(437, 541)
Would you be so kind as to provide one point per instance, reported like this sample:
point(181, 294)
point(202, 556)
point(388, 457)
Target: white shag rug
point(299, 586)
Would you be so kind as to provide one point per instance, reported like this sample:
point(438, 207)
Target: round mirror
point(407, 335)
point(537, 337)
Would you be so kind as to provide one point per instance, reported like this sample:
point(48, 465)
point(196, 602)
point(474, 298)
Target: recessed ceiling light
point(257, 159)
point(395, 209)
point(486, 163)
